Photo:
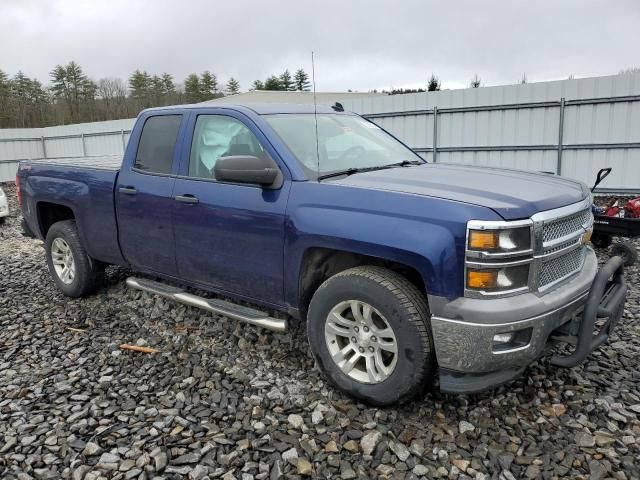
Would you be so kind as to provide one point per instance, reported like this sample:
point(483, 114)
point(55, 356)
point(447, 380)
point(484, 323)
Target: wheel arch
point(320, 263)
point(49, 213)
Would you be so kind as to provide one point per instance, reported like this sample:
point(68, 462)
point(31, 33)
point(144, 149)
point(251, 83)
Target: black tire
point(87, 271)
point(600, 240)
point(627, 250)
point(405, 310)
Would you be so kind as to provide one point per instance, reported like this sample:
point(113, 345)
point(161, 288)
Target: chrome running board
point(221, 307)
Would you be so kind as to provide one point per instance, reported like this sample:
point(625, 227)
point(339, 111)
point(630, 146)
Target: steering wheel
point(353, 153)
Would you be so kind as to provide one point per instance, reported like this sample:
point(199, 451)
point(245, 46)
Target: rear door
point(144, 195)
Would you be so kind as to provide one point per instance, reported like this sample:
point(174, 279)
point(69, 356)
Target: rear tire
point(627, 250)
point(73, 271)
point(392, 368)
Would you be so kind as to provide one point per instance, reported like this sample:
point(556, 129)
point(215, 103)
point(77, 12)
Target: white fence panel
point(544, 161)
point(105, 144)
point(20, 149)
point(63, 147)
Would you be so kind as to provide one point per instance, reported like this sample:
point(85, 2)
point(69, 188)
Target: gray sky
point(360, 45)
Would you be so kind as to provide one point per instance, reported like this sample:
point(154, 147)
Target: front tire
point(368, 328)
point(71, 268)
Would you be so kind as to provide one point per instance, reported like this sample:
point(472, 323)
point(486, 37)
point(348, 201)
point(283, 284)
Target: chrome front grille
point(560, 252)
point(565, 226)
point(561, 267)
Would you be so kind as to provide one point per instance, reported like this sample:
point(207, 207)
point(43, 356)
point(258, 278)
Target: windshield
point(344, 142)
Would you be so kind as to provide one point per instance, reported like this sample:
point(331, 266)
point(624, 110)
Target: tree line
point(72, 97)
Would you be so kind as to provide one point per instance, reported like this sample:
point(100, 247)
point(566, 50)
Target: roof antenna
point(315, 110)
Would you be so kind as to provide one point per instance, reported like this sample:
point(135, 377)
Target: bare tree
point(475, 81)
point(523, 80)
point(112, 92)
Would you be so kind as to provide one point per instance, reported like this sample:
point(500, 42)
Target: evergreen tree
point(523, 80)
point(208, 86)
point(233, 86)
point(301, 80)
point(5, 100)
point(157, 90)
point(70, 84)
point(434, 84)
point(257, 85)
point(286, 82)
point(27, 97)
point(273, 83)
point(168, 87)
point(139, 85)
point(192, 88)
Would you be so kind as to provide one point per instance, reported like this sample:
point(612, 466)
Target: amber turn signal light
point(483, 240)
point(482, 279)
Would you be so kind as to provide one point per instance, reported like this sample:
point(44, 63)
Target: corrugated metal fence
point(571, 127)
point(80, 140)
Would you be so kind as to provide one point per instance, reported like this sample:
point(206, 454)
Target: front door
point(144, 197)
point(229, 236)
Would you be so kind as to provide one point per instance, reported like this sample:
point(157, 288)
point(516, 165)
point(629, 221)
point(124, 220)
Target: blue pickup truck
point(410, 275)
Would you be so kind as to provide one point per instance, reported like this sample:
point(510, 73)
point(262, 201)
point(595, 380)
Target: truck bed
point(102, 162)
point(85, 185)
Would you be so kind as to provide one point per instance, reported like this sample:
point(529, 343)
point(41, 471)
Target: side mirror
point(246, 169)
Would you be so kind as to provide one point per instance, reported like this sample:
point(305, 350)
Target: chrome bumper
point(464, 330)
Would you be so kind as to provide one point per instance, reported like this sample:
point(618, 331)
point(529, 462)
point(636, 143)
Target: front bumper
point(464, 329)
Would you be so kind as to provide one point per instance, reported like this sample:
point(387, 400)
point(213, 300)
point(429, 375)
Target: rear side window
point(157, 143)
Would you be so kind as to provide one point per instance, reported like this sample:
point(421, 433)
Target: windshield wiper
point(352, 170)
point(405, 163)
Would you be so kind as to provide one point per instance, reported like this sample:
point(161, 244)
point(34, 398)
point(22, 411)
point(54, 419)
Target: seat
point(239, 149)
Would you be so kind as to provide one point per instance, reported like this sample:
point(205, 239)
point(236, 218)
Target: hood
point(512, 194)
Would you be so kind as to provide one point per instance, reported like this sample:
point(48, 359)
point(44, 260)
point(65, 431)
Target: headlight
point(498, 256)
point(500, 241)
point(498, 279)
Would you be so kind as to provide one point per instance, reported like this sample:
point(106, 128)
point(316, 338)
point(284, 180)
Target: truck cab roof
point(256, 108)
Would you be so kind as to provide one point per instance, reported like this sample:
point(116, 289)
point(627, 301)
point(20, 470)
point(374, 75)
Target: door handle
point(187, 198)
point(128, 190)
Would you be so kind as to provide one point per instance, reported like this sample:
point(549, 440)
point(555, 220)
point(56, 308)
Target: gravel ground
point(226, 400)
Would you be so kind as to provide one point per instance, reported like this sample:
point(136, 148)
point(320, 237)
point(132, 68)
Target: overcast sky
point(361, 45)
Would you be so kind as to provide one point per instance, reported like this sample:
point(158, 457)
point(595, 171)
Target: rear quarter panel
point(88, 192)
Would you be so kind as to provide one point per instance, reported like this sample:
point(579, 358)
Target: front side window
point(343, 142)
point(157, 144)
point(218, 136)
